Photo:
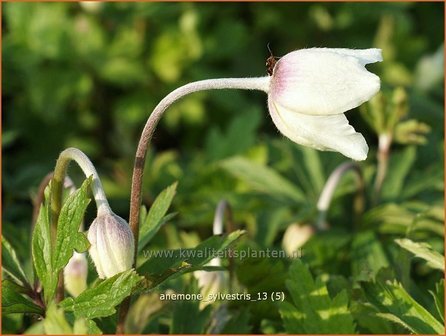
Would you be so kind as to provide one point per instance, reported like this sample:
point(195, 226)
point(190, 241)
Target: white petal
point(93, 250)
point(365, 56)
point(323, 81)
point(332, 133)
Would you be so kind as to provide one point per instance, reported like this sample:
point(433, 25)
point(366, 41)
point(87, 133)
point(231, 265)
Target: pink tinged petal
point(324, 81)
point(119, 233)
point(331, 133)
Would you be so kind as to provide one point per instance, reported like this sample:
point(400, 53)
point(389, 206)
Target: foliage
point(88, 74)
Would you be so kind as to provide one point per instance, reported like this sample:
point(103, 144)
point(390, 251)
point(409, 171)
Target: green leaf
point(423, 251)
point(186, 311)
point(438, 296)
point(41, 253)
point(263, 179)
point(68, 237)
point(48, 262)
point(101, 300)
point(156, 216)
point(84, 326)
point(163, 264)
point(368, 256)
point(314, 312)
point(395, 304)
point(312, 162)
point(400, 165)
point(55, 322)
point(14, 302)
point(11, 264)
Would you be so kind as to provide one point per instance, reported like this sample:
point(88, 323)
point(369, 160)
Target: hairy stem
point(257, 83)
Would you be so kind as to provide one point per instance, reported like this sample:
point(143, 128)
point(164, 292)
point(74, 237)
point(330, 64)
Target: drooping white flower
point(311, 89)
point(112, 245)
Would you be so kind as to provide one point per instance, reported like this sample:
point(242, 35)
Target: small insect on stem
point(271, 61)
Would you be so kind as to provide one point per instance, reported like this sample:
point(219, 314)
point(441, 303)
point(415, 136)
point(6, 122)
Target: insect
point(270, 61)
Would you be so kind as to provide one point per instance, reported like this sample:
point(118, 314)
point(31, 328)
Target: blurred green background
point(88, 75)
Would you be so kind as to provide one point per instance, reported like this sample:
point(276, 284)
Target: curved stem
point(87, 167)
point(57, 183)
point(326, 196)
point(257, 83)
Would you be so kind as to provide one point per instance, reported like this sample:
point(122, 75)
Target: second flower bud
point(112, 245)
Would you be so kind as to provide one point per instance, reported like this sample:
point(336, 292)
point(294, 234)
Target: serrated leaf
point(48, 262)
point(423, 251)
point(314, 311)
point(68, 237)
point(164, 264)
point(14, 302)
point(263, 179)
point(55, 322)
point(392, 300)
point(11, 264)
point(41, 253)
point(101, 300)
point(156, 216)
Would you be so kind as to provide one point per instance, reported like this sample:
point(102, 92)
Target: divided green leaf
point(313, 311)
point(423, 251)
point(42, 254)
point(101, 300)
point(49, 260)
point(11, 264)
point(68, 237)
point(396, 305)
point(14, 302)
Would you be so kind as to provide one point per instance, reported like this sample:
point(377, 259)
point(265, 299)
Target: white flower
point(311, 89)
point(75, 274)
point(112, 245)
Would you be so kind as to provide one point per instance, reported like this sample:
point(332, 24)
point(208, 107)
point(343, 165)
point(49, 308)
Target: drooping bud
point(295, 237)
point(112, 245)
point(75, 274)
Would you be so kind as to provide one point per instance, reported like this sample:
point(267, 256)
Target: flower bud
point(295, 237)
point(75, 274)
point(312, 88)
point(112, 245)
